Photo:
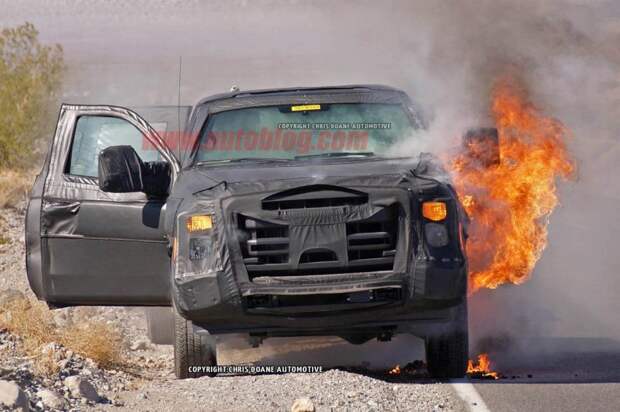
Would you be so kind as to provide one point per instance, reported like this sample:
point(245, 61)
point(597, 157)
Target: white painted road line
point(468, 393)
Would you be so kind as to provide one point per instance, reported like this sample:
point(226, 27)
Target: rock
point(302, 405)
point(63, 363)
point(60, 317)
point(8, 296)
point(81, 388)
point(51, 399)
point(140, 344)
point(141, 396)
point(13, 397)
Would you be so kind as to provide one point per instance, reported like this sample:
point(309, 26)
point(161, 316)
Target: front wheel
point(192, 350)
point(447, 353)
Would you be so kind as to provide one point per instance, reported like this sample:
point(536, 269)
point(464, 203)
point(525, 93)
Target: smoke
point(445, 54)
point(564, 52)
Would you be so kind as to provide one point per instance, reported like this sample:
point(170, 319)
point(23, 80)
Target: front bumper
point(419, 291)
point(428, 296)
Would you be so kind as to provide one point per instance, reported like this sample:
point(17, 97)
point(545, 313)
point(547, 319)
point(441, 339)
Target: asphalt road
point(538, 374)
point(556, 374)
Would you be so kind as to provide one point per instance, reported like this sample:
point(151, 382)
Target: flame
point(482, 369)
point(509, 204)
point(395, 370)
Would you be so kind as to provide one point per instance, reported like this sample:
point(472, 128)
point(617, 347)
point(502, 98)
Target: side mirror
point(122, 171)
point(482, 146)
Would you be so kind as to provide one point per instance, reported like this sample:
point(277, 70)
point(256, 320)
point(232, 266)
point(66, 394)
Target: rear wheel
point(447, 353)
point(192, 350)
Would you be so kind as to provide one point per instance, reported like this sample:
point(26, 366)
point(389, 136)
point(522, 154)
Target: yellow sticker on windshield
point(305, 107)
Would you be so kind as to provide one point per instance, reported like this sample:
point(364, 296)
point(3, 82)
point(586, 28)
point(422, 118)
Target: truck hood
point(209, 175)
point(264, 176)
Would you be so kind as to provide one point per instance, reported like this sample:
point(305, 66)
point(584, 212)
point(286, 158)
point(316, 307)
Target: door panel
point(99, 248)
point(93, 271)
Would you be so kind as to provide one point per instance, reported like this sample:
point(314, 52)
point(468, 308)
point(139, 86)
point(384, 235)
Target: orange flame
point(482, 369)
point(509, 203)
point(395, 370)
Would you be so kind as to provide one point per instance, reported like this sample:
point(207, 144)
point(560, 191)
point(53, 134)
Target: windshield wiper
point(244, 159)
point(335, 154)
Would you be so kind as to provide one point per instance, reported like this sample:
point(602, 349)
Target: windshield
point(286, 132)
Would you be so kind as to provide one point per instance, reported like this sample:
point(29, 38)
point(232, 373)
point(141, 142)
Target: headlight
point(200, 247)
point(436, 234)
point(197, 253)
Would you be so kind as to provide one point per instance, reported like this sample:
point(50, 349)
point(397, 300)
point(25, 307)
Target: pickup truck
point(284, 212)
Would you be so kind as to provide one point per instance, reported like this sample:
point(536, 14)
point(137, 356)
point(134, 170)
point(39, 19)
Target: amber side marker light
point(198, 223)
point(434, 211)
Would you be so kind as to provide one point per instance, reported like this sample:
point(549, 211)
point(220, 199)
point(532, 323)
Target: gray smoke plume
point(445, 54)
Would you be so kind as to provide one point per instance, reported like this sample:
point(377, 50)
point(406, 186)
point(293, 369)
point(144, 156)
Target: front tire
point(447, 353)
point(192, 350)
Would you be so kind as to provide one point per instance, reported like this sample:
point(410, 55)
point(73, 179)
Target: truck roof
point(296, 90)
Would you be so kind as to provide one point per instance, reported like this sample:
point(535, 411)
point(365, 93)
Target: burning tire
point(192, 350)
point(447, 353)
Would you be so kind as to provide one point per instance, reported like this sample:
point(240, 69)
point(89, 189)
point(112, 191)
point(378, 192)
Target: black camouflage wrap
point(86, 246)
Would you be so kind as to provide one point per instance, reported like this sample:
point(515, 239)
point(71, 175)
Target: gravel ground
point(330, 390)
point(150, 385)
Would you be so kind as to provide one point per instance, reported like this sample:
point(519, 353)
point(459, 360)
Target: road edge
point(468, 394)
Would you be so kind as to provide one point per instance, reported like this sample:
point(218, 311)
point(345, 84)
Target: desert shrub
point(34, 324)
point(96, 340)
point(30, 80)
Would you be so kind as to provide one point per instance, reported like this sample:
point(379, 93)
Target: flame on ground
point(482, 369)
point(509, 203)
point(395, 370)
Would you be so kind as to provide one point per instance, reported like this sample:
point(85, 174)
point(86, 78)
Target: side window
point(95, 133)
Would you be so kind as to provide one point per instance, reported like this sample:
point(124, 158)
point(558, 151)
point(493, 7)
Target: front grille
point(369, 246)
point(263, 243)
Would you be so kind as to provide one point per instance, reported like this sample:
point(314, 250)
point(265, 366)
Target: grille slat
point(269, 241)
point(314, 196)
point(275, 252)
point(313, 203)
point(369, 235)
point(367, 247)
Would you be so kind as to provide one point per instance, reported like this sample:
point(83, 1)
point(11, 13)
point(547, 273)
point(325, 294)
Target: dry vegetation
point(30, 80)
point(36, 328)
point(14, 186)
